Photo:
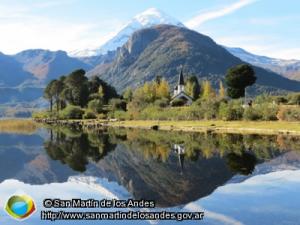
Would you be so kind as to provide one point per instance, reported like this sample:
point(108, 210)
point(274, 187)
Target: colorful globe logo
point(20, 207)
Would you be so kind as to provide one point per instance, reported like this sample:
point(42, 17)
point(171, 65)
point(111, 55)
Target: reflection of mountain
point(286, 161)
point(22, 157)
point(163, 182)
point(13, 156)
point(142, 162)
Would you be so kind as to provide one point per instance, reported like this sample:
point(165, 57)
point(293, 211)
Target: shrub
point(210, 108)
point(162, 103)
point(294, 99)
point(268, 112)
point(45, 115)
point(120, 115)
point(89, 115)
point(71, 112)
point(289, 114)
point(195, 112)
point(169, 113)
point(263, 99)
point(280, 100)
point(251, 113)
point(230, 111)
point(101, 116)
point(41, 115)
point(178, 102)
point(95, 106)
point(117, 104)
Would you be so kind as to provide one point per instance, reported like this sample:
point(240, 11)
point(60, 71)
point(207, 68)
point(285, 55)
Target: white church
point(179, 92)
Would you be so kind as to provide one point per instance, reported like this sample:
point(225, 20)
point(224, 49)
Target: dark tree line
point(77, 149)
point(76, 89)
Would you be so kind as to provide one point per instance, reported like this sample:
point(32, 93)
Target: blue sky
point(265, 27)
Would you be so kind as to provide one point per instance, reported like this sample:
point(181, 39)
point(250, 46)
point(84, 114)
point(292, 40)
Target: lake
point(234, 179)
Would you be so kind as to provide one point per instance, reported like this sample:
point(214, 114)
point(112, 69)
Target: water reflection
point(77, 149)
point(175, 169)
point(171, 168)
point(180, 151)
point(243, 163)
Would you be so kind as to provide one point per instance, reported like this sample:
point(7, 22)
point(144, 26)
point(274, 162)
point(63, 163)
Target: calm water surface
point(233, 179)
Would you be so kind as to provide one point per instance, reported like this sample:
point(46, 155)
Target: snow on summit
point(154, 16)
point(148, 18)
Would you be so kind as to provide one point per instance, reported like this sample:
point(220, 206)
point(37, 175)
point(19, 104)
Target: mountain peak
point(146, 19)
point(154, 16)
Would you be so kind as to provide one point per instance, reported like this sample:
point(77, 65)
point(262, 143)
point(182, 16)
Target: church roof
point(181, 94)
point(181, 79)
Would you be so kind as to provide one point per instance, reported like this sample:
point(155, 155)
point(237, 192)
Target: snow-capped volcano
point(146, 19)
point(152, 17)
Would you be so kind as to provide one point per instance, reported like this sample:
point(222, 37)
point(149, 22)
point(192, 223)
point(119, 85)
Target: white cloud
point(292, 53)
point(202, 18)
point(273, 20)
point(259, 44)
point(22, 29)
point(52, 3)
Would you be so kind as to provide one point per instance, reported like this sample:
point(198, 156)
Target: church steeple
point(181, 79)
point(180, 86)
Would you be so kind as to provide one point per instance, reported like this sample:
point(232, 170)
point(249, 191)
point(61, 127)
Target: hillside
point(162, 49)
point(47, 65)
point(24, 75)
point(11, 72)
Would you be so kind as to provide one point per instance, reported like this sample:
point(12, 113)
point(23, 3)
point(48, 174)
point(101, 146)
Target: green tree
point(57, 89)
point(72, 112)
point(158, 79)
point(100, 89)
point(77, 83)
point(238, 78)
point(62, 99)
point(117, 104)
point(95, 105)
point(192, 87)
point(128, 95)
point(49, 94)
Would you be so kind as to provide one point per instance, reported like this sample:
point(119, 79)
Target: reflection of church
point(180, 151)
point(179, 92)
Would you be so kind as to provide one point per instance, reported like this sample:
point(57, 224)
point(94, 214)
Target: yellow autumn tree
point(149, 91)
point(162, 89)
point(192, 87)
point(222, 91)
point(207, 90)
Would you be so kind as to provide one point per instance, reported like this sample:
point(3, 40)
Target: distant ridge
point(287, 68)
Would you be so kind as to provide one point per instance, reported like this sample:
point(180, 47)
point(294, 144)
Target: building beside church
point(179, 92)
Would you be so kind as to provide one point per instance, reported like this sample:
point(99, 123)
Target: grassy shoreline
point(217, 126)
point(27, 126)
point(18, 126)
point(257, 127)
